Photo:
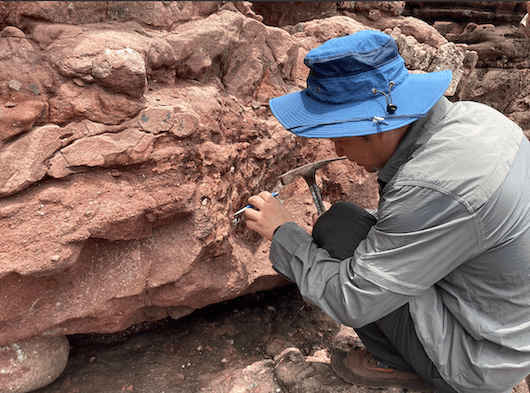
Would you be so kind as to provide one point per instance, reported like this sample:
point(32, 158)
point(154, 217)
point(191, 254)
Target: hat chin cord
point(390, 106)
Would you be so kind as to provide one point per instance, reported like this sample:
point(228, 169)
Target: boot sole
point(347, 375)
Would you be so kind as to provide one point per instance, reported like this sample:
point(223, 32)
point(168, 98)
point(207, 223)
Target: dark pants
point(392, 339)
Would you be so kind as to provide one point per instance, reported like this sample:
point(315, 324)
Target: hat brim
point(307, 117)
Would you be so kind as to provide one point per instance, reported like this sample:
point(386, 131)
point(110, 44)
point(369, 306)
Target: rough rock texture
point(491, 30)
point(269, 342)
point(131, 131)
point(128, 144)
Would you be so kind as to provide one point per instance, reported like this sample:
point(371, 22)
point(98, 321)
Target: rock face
point(268, 342)
point(490, 30)
point(125, 152)
point(131, 131)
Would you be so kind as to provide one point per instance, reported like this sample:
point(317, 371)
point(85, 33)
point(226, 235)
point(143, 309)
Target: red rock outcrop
point(116, 202)
point(131, 131)
point(491, 30)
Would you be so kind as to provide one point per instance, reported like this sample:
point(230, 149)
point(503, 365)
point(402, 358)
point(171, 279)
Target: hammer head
point(306, 171)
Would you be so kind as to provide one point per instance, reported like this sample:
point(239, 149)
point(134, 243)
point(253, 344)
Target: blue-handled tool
point(274, 194)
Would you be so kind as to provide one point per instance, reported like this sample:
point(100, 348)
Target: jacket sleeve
point(421, 236)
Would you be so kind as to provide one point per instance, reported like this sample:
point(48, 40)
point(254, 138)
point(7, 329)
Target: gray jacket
point(452, 239)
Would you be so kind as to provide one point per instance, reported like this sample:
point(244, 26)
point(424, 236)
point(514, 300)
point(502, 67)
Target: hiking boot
point(359, 367)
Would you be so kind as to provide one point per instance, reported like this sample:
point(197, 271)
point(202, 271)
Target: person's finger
point(266, 196)
point(315, 216)
point(251, 214)
point(257, 200)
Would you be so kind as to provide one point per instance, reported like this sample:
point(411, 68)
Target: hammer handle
point(315, 193)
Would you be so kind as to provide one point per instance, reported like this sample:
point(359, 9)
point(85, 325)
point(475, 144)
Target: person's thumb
point(315, 216)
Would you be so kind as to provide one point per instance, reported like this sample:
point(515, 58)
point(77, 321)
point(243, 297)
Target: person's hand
point(316, 216)
point(268, 214)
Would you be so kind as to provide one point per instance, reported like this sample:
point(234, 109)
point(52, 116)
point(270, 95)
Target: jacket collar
point(409, 142)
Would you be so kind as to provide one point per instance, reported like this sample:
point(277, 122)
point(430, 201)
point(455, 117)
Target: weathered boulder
point(235, 51)
point(117, 60)
point(74, 102)
point(25, 75)
point(420, 30)
point(496, 46)
point(23, 160)
point(31, 364)
point(158, 177)
point(16, 119)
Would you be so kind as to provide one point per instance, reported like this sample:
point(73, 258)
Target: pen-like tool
point(274, 194)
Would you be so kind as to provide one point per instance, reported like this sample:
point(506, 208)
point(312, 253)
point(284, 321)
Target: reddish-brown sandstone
point(131, 131)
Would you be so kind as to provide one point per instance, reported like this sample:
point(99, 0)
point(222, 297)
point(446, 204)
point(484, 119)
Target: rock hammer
point(308, 173)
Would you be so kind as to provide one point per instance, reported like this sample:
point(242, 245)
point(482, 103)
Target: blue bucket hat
point(358, 85)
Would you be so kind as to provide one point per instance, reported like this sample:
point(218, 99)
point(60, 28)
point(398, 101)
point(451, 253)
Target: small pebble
point(14, 85)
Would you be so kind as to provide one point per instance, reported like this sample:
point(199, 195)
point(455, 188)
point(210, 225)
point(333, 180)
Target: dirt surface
point(267, 342)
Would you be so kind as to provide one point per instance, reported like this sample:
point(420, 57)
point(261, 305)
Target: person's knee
point(343, 212)
point(336, 212)
point(344, 207)
point(342, 228)
point(340, 211)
